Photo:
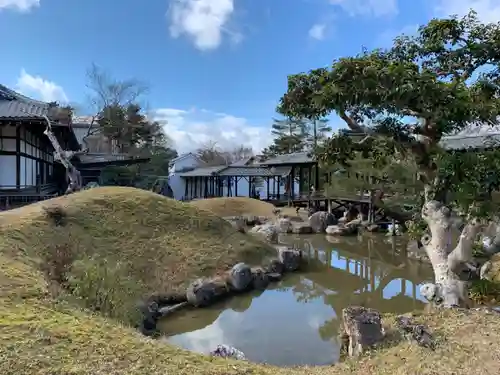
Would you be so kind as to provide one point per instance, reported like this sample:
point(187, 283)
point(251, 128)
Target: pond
point(296, 321)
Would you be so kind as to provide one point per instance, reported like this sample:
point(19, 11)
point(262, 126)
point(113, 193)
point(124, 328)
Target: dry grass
point(240, 206)
point(149, 237)
point(118, 245)
point(237, 206)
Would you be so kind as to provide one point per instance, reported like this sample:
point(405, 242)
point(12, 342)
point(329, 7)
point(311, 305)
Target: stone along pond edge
point(361, 330)
point(203, 292)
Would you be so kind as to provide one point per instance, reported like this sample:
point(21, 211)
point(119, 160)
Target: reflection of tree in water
point(371, 264)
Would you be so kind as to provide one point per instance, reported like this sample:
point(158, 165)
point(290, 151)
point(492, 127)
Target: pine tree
point(290, 136)
point(317, 132)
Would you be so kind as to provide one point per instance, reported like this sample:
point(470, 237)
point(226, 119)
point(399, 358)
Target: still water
point(296, 321)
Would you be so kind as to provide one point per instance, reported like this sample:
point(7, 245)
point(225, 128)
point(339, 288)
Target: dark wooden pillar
point(267, 187)
point(309, 180)
point(205, 188)
point(292, 182)
point(316, 177)
point(279, 187)
point(250, 187)
point(236, 180)
point(186, 183)
point(18, 157)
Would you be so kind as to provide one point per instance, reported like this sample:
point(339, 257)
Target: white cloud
point(203, 21)
point(20, 5)
point(487, 10)
point(317, 31)
point(375, 8)
point(190, 129)
point(39, 88)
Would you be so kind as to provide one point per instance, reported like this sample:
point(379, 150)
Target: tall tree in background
point(317, 132)
point(445, 78)
point(213, 155)
point(120, 118)
point(112, 100)
point(290, 135)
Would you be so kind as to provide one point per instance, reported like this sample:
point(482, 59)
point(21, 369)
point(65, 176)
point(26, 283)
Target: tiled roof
point(16, 106)
point(203, 172)
point(242, 162)
point(257, 171)
point(294, 158)
point(244, 171)
point(471, 141)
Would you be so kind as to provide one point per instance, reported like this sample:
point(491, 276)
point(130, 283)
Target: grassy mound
point(240, 206)
point(113, 244)
point(235, 206)
point(111, 247)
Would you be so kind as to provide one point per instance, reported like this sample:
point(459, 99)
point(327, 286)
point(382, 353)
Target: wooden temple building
point(28, 171)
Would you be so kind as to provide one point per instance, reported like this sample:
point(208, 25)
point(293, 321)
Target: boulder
point(226, 351)
point(491, 269)
point(263, 219)
point(268, 231)
point(260, 279)
point(301, 228)
point(363, 327)
point(290, 258)
point(274, 266)
point(415, 332)
point(311, 211)
point(342, 230)
point(251, 220)
point(284, 225)
point(238, 224)
point(319, 221)
point(204, 292)
point(240, 277)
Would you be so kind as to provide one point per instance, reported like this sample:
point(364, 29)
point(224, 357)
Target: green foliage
point(139, 175)
point(99, 284)
point(296, 135)
point(130, 128)
point(416, 228)
point(405, 99)
point(484, 291)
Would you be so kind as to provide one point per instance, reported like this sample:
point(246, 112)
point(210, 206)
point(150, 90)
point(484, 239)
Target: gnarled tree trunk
point(449, 290)
point(74, 177)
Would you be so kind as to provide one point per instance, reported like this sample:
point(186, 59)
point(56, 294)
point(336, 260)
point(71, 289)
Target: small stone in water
point(225, 351)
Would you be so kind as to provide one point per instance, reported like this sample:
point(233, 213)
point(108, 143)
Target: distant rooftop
point(288, 159)
point(476, 141)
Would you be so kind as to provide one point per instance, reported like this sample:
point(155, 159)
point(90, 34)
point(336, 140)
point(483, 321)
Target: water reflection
point(296, 321)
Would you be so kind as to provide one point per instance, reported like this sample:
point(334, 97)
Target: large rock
point(204, 292)
point(491, 269)
point(260, 279)
point(275, 266)
point(301, 228)
point(251, 220)
point(290, 258)
point(240, 277)
point(284, 225)
point(363, 327)
point(319, 221)
point(268, 232)
point(342, 230)
point(226, 351)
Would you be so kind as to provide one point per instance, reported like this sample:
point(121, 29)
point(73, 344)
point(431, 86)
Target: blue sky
point(215, 68)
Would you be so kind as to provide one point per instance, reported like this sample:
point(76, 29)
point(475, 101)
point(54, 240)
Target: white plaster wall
point(7, 171)
point(177, 184)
